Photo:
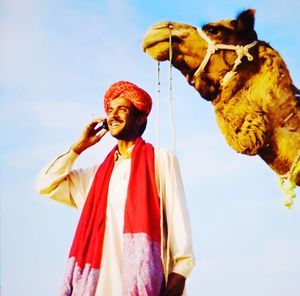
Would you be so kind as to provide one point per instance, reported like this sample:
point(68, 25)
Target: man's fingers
point(97, 121)
point(101, 133)
point(100, 126)
point(94, 126)
point(96, 138)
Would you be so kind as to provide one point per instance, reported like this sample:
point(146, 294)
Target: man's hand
point(175, 285)
point(90, 136)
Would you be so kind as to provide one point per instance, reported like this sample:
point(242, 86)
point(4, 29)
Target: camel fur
point(258, 109)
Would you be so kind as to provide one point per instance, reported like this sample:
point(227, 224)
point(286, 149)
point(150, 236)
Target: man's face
point(122, 119)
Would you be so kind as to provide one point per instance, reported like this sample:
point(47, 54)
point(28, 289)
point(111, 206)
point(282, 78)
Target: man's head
point(127, 107)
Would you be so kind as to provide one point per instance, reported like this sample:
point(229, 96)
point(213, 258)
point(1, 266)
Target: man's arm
point(90, 136)
point(59, 182)
point(179, 230)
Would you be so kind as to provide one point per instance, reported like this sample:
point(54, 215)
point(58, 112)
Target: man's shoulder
point(163, 155)
point(161, 151)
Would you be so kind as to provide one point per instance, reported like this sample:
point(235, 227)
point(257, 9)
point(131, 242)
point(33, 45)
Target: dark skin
point(124, 124)
point(175, 285)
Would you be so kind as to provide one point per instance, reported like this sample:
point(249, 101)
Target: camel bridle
point(212, 48)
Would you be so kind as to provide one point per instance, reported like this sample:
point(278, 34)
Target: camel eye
point(212, 30)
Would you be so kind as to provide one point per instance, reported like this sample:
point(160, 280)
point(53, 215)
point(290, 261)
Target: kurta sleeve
point(178, 238)
point(58, 181)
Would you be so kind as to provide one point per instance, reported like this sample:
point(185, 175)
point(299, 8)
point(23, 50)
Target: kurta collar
point(126, 155)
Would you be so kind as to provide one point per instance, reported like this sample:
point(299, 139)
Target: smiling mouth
point(115, 124)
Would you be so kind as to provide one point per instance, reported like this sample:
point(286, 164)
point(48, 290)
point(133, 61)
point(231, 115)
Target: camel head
point(254, 99)
point(190, 47)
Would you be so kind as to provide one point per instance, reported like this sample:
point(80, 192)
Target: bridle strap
point(212, 48)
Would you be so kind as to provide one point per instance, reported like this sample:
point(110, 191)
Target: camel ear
point(245, 21)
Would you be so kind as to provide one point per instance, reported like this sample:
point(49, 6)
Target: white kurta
point(59, 182)
point(111, 267)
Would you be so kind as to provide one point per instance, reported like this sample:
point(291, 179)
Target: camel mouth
point(150, 44)
point(161, 46)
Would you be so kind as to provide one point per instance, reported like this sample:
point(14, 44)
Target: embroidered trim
point(142, 273)
point(78, 282)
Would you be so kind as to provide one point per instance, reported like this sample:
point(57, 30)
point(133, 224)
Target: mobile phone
point(104, 124)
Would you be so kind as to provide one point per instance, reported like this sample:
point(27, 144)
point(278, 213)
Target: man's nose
point(113, 114)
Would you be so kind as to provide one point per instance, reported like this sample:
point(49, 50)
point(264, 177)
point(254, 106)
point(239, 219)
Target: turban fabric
point(127, 90)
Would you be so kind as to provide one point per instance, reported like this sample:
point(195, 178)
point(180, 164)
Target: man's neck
point(123, 145)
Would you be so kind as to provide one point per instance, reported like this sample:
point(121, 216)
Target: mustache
point(114, 118)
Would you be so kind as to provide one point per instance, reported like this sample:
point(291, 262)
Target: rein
point(173, 136)
point(290, 185)
point(241, 51)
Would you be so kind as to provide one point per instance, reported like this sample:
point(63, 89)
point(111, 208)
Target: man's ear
point(141, 119)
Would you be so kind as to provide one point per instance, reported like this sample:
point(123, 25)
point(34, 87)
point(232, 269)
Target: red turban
point(127, 90)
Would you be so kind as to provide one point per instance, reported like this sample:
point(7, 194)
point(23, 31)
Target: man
point(133, 236)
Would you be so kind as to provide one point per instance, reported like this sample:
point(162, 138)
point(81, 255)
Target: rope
point(171, 117)
point(165, 268)
point(290, 184)
point(172, 127)
point(241, 51)
point(158, 106)
point(171, 168)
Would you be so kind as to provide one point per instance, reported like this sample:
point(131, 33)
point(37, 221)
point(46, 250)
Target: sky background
point(56, 60)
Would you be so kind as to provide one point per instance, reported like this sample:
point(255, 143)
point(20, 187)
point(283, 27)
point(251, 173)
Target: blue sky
point(57, 58)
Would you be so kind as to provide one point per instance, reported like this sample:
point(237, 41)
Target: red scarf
point(142, 268)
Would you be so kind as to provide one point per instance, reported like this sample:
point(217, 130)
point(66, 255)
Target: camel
point(256, 105)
